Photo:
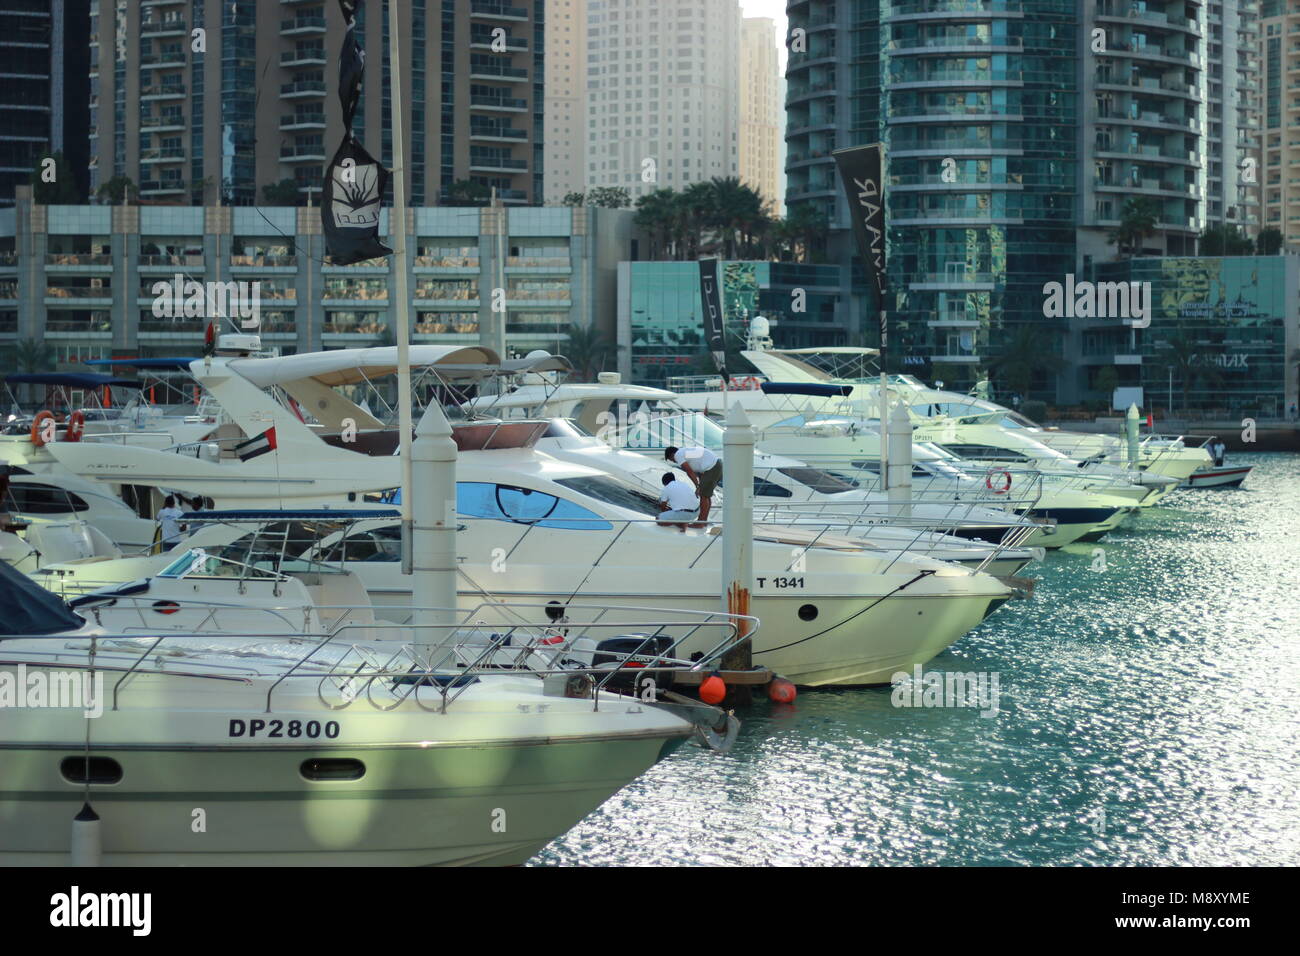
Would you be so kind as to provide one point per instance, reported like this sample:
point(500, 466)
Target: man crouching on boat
point(677, 503)
point(703, 467)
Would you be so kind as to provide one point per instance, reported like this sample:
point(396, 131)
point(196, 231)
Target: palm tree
point(1137, 220)
point(656, 213)
point(730, 205)
point(1025, 356)
point(33, 355)
point(1186, 358)
point(695, 213)
point(586, 351)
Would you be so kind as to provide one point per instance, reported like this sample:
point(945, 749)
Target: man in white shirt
point(1220, 450)
point(678, 503)
point(169, 520)
point(703, 467)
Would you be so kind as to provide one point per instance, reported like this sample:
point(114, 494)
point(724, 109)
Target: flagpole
point(401, 309)
point(884, 351)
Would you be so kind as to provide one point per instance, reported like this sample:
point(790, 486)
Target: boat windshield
point(822, 482)
point(613, 492)
point(660, 431)
point(281, 547)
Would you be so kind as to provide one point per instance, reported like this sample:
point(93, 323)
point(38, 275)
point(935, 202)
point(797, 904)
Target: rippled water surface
point(1148, 715)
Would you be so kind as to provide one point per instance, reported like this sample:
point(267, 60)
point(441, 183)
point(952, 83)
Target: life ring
point(76, 426)
point(1003, 489)
point(746, 384)
point(42, 416)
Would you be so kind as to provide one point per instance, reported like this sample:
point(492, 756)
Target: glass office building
point(1222, 331)
point(661, 318)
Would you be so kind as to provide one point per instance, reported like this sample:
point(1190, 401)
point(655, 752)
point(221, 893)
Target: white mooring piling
point(738, 529)
point(899, 463)
point(1131, 433)
point(433, 508)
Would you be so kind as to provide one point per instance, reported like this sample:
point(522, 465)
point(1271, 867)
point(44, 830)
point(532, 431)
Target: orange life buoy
point(1003, 488)
point(76, 426)
point(38, 438)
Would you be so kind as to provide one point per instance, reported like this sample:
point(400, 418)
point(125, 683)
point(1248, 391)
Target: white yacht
point(302, 750)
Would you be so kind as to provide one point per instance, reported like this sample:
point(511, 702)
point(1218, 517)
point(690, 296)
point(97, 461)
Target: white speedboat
point(1218, 476)
point(301, 750)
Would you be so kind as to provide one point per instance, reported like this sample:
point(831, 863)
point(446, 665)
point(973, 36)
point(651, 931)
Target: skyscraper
point(662, 107)
point(565, 135)
point(202, 101)
point(760, 111)
point(1015, 134)
point(43, 83)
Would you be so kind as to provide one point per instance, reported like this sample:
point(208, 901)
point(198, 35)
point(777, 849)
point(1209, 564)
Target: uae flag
point(257, 446)
point(711, 299)
point(355, 180)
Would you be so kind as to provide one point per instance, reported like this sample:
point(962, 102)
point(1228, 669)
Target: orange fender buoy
point(713, 690)
point(781, 691)
point(76, 426)
point(38, 426)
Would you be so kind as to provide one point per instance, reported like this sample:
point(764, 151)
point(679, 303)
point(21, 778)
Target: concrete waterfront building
point(662, 104)
point(251, 99)
point(761, 107)
point(81, 278)
point(43, 89)
point(565, 133)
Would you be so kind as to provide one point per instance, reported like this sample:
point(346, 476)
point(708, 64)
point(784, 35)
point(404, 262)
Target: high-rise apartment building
point(43, 83)
point(662, 106)
point(1015, 132)
point(760, 111)
point(565, 133)
point(1281, 91)
point(204, 101)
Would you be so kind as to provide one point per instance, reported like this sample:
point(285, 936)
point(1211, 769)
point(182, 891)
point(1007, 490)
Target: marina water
point(1149, 714)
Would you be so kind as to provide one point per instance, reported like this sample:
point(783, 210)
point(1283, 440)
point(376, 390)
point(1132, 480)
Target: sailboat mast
point(402, 307)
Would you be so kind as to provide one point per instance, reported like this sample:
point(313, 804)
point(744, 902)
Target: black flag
point(711, 297)
point(860, 172)
point(355, 180)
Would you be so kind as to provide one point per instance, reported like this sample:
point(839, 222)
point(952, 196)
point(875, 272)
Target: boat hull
point(1218, 477)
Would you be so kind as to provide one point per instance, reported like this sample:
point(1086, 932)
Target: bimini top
point(71, 379)
point(531, 396)
point(148, 364)
point(27, 609)
point(826, 350)
point(805, 388)
point(350, 366)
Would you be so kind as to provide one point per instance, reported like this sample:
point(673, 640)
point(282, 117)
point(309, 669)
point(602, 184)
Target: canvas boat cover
point(27, 609)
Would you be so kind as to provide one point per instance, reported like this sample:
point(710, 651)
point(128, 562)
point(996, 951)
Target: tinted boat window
point(822, 482)
point(44, 500)
point(612, 492)
point(478, 499)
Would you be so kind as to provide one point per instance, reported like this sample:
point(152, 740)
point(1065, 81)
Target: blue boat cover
point(805, 388)
point(27, 609)
point(316, 514)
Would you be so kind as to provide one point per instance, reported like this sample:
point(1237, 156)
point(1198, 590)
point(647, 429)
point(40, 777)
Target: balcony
point(302, 88)
point(162, 91)
point(484, 41)
point(300, 121)
point(77, 260)
point(169, 263)
point(162, 156)
point(169, 60)
point(497, 133)
point(309, 56)
point(303, 153)
point(172, 120)
point(483, 71)
point(512, 104)
point(168, 26)
point(496, 11)
point(264, 262)
point(298, 26)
